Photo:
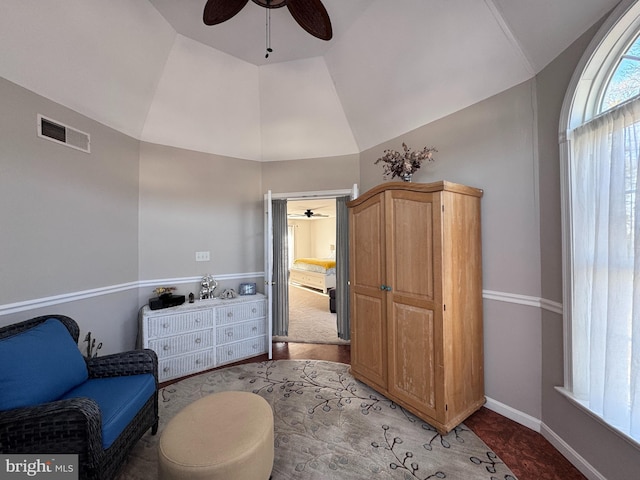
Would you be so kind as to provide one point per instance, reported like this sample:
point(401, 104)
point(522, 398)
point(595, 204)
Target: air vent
point(63, 134)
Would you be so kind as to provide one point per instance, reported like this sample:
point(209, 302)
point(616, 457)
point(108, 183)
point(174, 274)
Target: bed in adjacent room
point(318, 273)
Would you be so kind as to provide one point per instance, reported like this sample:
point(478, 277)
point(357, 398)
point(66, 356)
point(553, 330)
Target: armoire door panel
point(369, 337)
point(413, 361)
point(367, 254)
point(410, 266)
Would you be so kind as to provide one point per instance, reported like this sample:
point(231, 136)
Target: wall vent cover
point(63, 134)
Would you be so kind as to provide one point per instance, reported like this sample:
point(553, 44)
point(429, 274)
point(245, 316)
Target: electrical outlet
point(203, 256)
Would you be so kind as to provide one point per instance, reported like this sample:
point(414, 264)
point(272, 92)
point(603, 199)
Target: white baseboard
point(513, 414)
point(570, 454)
point(559, 444)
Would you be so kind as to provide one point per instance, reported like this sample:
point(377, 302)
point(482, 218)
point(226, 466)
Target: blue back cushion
point(39, 365)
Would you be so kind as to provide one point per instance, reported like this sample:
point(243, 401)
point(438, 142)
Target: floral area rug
point(330, 426)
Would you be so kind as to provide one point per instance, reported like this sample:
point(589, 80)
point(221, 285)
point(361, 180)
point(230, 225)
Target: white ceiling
point(153, 70)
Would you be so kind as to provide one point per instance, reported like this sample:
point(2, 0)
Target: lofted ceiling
point(153, 70)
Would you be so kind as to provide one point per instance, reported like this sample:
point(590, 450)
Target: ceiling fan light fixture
point(270, 3)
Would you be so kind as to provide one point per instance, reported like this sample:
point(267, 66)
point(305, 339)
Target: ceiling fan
point(310, 14)
point(308, 213)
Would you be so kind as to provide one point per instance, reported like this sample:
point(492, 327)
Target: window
point(602, 227)
point(624, 84)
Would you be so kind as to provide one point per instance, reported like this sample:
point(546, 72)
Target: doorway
point(312, 271)
point(311, 231)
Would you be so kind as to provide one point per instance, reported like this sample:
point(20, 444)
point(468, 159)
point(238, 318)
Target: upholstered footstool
point(223, 436)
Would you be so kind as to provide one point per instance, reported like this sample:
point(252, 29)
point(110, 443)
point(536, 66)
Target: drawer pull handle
point(198, 340)
point(254, 310)
point(165, 348)
point(165, 369)
point(229, 353)
point(197, 320)
point(255, 347)
point(198, 362)
point(165, 325)
point(230, 314)
point(229, 334)
point(254, 329)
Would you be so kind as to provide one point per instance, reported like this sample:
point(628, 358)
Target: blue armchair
point(54, 401)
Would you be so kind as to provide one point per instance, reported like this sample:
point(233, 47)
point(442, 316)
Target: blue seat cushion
point(39, 365)
point(119, 399)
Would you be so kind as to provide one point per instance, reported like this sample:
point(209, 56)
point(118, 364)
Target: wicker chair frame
point(75, 425)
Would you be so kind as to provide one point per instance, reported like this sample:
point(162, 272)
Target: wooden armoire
point(416, 298)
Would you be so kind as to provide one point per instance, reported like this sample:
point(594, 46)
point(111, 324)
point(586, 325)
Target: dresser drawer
point(166, 325)
point(239, 350)
point(235, 332)
point(174, 367)
point(240, 311)
point(167, 346)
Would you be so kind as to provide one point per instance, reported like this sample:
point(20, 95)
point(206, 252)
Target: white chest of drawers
point(194, 337)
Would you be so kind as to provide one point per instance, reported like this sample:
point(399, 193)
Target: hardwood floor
point(527, 453)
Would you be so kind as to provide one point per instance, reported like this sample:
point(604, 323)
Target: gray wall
point(311, 175)
point(191, 201)
point(69, 220)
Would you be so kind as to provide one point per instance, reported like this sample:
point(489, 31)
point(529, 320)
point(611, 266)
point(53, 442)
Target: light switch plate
point(203, 256)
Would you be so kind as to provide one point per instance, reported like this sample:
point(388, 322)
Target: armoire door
point(368, 298)
point(414, 316)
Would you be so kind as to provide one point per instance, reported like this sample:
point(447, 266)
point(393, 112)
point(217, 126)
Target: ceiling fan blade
point(218, 11)
point(312, 16)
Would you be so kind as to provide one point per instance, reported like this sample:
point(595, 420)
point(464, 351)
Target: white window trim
point(585, 90)
point(591, 76)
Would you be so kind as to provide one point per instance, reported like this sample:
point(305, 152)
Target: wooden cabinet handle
point(198, 340)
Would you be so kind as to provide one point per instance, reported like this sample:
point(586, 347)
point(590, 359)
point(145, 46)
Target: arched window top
point(611, 75)
point(624, 81)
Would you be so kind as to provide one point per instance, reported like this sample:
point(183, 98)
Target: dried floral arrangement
point(406, 163)
point(163, 290)
point(92, 349)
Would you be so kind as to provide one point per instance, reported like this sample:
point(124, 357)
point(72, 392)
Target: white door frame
point(268, 240)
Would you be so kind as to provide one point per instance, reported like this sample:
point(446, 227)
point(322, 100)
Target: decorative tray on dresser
point(198, 336)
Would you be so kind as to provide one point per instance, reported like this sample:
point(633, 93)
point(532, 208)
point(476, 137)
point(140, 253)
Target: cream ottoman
point(223, 436)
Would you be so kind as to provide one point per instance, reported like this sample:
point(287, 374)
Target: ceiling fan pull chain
point(268, 28)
